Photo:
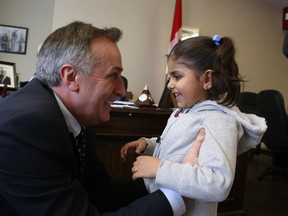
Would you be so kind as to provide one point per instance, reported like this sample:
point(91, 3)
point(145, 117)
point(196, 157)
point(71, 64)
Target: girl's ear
point(69, 76)
point(207, 79)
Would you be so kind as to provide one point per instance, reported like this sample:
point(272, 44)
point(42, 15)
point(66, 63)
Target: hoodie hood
point(253, 125)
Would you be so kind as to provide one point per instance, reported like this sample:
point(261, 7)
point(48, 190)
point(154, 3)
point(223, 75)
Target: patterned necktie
point(81, 143)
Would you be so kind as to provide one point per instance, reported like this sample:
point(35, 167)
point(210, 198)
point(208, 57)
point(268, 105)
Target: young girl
point(205, 80)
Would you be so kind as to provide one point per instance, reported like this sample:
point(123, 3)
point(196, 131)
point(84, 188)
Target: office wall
point(37, 16)
point(256, 28)
point(146, 25)
point(253, 24)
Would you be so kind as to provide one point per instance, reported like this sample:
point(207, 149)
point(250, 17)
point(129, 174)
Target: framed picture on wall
point(188, 32)
point(8, 74)
point(13, 39)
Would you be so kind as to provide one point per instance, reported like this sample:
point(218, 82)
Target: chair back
point(272, 108)
point(247, 102)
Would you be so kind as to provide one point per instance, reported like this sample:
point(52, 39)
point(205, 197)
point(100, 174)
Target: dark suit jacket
point(39, 167)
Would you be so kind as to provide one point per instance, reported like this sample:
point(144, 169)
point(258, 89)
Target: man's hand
point(193, 153)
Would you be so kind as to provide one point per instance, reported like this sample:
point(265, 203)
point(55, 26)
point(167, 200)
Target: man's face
point(99, 89)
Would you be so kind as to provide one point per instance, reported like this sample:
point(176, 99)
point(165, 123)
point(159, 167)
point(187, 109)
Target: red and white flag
point(177, 26)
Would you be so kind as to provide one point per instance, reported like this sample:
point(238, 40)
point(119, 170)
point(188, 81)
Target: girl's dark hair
point(201, 54)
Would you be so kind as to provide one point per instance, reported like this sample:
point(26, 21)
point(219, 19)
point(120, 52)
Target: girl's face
point(183, 83)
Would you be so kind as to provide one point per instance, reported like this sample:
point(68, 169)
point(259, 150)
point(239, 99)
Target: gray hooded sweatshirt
point(229, 133)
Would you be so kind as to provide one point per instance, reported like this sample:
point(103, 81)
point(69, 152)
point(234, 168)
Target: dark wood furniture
point(127, 125)
point(3, 91)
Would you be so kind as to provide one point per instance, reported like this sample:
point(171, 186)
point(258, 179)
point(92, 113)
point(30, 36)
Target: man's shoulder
point(33, 99)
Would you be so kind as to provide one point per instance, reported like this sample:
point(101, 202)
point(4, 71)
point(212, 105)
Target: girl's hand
point(145, 167)
point(137, 145)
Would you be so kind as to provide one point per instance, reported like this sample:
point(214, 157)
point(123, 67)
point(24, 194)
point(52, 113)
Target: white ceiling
point(278, 3)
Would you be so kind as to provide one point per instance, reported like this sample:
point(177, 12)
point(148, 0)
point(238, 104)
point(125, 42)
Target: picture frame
point(188, 32)
point(8, 75)
point(13, 39)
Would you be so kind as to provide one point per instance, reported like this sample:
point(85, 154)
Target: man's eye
point(115, 76)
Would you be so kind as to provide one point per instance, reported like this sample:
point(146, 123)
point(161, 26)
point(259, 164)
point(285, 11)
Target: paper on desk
point(124, 104)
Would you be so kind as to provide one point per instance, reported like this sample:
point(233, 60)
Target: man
point(1, 73)
point(77, 77)
point(5, 79)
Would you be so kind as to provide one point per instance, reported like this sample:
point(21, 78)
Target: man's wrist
point(176, 201)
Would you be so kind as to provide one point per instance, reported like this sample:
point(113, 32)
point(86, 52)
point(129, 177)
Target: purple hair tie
point(217, 39)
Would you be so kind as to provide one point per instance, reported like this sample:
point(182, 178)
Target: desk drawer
point(134, 123)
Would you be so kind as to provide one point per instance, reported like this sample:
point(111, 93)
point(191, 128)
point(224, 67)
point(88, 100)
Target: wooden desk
point(127, 125)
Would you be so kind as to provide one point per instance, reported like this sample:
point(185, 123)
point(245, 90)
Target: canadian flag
point(177, 26)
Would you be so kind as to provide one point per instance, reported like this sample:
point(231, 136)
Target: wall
point(146, 25)
point(255, 26)
point(37, 16)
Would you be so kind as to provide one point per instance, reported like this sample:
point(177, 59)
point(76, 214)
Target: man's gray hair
point(70, 44)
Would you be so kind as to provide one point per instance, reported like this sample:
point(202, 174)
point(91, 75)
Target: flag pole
point(176, 29)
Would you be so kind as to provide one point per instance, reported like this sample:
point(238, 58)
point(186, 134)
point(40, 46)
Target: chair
point(272, 108)
point(247, 103)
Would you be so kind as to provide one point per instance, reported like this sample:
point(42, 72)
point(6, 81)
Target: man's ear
point(207, 79)
point(69, 77)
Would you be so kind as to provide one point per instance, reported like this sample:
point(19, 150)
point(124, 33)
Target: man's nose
point(122, 89)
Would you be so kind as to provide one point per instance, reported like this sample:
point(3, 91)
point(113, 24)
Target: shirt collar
point(73, 125)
